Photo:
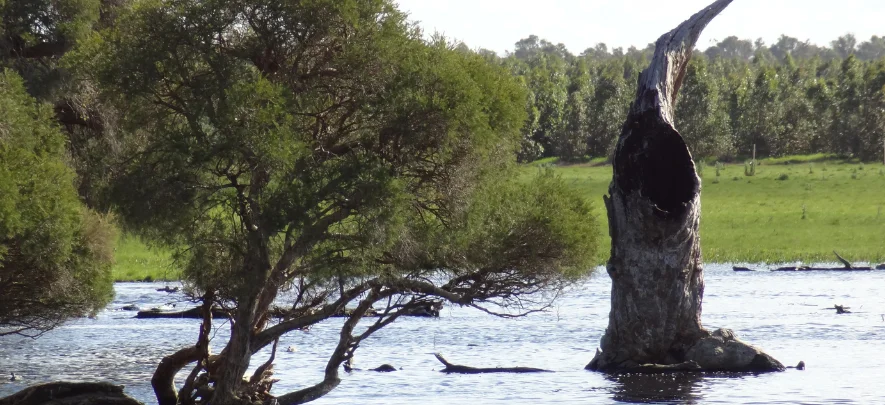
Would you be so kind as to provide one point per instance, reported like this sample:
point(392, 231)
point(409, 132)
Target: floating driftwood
point(846, 266)
point(458, 369)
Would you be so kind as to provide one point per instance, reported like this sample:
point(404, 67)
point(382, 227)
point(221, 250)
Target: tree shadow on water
point(677, 388)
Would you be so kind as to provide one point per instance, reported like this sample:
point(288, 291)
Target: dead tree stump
point(654, 210)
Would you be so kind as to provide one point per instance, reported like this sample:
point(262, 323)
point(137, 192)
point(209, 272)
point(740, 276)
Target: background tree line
point(790, 97)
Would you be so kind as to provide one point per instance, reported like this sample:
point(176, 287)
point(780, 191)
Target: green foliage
point(700, 118)
point(36, 38)
point(55, 255)
point(35, 33)
point(537, 218)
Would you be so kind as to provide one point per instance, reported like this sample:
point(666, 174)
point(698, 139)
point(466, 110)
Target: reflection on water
point(781, 312)
point(675, 388)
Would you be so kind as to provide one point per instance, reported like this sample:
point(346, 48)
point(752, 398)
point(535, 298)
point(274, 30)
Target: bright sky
point(580, 24)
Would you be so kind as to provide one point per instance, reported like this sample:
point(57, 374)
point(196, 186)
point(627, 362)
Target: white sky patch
point(580, 24)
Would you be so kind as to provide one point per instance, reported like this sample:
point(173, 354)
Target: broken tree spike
point(658, 86)
point(459, 369)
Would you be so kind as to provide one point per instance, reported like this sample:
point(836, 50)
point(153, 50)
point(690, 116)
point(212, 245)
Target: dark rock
point(429, 310)
point(881, 267)
point(168, 289)
point(723, 351)
point(130, 307)
point(384, 368)
point(737, 268)
point(68, 393)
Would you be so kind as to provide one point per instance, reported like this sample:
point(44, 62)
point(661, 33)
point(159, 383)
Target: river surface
point(781, 312)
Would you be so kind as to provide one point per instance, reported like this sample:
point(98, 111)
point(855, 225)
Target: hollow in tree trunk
point(654, 210)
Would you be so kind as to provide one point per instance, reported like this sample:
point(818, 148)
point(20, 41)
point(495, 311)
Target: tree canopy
point(324, 150)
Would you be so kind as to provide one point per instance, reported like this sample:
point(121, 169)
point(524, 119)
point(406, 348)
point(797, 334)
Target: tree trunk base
point(716, 352)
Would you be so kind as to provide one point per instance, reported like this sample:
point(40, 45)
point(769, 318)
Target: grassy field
point(787, 212)
point(135, 261)
point(794, 209)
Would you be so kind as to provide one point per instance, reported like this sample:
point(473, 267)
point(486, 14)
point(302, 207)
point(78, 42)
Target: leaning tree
point(312, 157)
point(654, 210)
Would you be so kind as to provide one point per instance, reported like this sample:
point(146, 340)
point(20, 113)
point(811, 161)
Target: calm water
point(781, 312)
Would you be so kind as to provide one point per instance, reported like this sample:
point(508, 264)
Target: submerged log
point(458, 369)
point(846, 266)
point(193, 313)
point(808, 268)
point(70, 393)
point(654, 212)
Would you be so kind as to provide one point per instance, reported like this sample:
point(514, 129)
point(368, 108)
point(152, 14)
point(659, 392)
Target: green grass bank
point(794, 209)
point(136, 261)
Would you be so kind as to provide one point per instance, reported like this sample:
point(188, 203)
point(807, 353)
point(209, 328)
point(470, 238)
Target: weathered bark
point(163, 380)
point(654, 209)
point(69, 393)
point(458, 369)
